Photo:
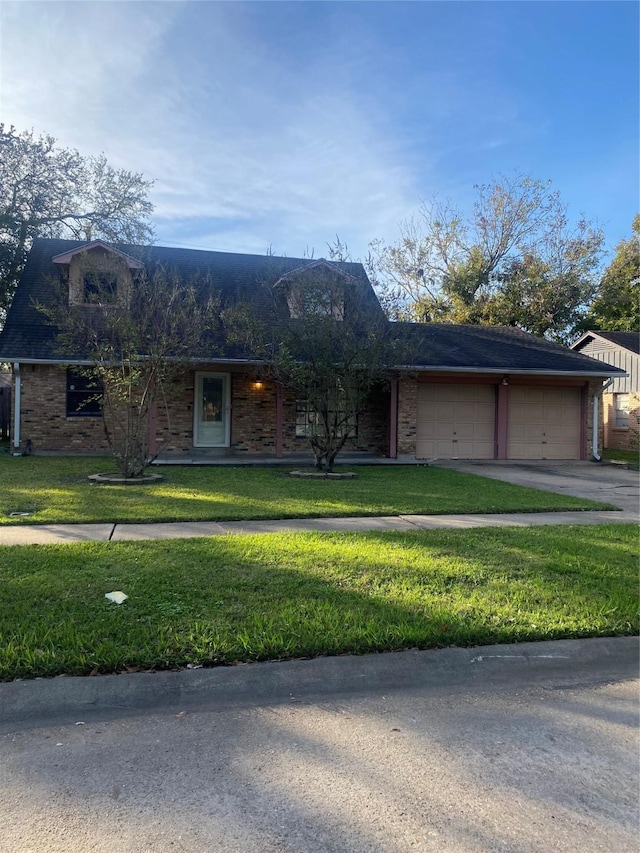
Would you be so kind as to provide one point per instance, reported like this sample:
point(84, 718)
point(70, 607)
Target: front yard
point(42, 490)
point(230, 599)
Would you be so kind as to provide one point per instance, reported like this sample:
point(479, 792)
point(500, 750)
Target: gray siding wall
point(618, 357)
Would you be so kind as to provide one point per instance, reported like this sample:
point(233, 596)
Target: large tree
point(616, 307)
point(513, 261)
point(316, 333)
point(138, 345)
point(56, 192)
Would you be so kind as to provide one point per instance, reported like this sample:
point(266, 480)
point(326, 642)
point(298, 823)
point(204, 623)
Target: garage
point(544, 422)
point(455, 421)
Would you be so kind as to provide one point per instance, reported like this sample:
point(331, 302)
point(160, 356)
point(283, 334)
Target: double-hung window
point(84, 395)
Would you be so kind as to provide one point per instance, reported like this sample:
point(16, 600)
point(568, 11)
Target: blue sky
point(281, 124)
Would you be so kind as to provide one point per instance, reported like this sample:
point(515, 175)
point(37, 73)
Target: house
point(460, 392)
point(621, 399)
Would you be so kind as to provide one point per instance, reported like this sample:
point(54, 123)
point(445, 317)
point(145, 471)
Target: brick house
point(621, 399)
point(462, 391)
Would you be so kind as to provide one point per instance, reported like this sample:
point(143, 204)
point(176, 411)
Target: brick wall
point(44, 420)
point(407, 414)
point(621, 439)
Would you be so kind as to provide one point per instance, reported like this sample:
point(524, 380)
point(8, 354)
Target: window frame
point(621, 411)
point(307, 417)
point(84, 402)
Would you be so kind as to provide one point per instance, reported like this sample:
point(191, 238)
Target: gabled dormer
point(315, 290)
point(97, 273)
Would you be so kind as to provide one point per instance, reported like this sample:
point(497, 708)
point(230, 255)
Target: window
point(621, 411)
point(310, 300)
point(308, 420)
point(100, 287)
point(84, 395)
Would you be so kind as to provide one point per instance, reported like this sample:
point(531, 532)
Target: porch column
point(279, 419)
point(393, 420)
point(502, 421)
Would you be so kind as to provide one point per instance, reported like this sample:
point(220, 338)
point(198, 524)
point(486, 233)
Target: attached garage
point(544, 422)
point(455, 421)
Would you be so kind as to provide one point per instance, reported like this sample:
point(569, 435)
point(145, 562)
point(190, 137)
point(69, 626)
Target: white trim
point(510, 371)
point(65, 257)
point(596, 408)
point(199, 375)
point(16, 405)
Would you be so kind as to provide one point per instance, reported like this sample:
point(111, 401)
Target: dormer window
point(98, 274)
point(315, 290)
point(100, 287)
point(315, 300)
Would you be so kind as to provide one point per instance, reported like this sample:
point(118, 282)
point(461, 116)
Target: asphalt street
point(526, 748)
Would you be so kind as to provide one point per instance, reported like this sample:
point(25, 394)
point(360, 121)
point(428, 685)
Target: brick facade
point(616, 438)
point(407, 415)
point(253, 429)
point(44, 421)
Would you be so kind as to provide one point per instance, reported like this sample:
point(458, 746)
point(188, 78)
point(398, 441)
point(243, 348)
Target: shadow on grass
point(56, 491)
point(227, 599)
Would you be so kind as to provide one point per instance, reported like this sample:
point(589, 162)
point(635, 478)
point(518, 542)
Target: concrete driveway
point(598, 482)
point(522, 749)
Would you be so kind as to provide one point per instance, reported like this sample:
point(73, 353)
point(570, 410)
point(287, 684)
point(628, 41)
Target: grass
point(631, 457)
point(56, 490)
point(228, 599)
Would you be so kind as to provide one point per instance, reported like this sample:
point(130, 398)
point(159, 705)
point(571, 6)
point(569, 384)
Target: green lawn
point(226, 599)
point(54, 489)
point(631, 457)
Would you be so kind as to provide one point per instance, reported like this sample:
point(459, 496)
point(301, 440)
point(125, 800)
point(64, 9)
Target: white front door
point(211, 426)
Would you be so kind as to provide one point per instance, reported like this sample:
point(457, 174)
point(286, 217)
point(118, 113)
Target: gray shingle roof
point(26, 336)
point(491, 348)
point(627, 340)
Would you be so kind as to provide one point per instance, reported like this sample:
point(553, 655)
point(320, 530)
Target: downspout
point(594, 441)
point(16, 405)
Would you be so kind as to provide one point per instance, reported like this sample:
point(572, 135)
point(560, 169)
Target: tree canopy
point(513, 261)
point(616, 307)
point(138, 336)
point(316, 337)
point(56, 192)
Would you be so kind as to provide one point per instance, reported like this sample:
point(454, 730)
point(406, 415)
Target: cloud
point(219, 119)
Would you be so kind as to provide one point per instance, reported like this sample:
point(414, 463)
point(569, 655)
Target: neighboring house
point(472, 392)
point(621, 400)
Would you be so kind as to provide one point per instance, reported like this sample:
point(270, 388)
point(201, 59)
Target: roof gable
point(626, 340)
point(67, 257)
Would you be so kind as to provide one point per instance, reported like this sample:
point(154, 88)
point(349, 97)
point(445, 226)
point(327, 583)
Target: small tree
point(313, 339)
point(137, 346)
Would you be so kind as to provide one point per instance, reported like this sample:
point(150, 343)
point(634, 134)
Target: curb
point(27, 704)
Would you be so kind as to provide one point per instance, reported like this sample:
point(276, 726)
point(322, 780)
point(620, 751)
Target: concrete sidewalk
point(48, 534)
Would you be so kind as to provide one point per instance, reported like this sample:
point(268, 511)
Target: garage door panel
point(455, 421)
point(544, 422)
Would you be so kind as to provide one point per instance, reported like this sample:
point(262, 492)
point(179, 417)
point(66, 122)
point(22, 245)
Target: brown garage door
point(544, 423)
point(456, 422)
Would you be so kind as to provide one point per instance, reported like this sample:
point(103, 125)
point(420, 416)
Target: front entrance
point(212, 410)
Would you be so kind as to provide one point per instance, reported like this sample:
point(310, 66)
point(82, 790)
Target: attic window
point(315, 300)
point(100, 287)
